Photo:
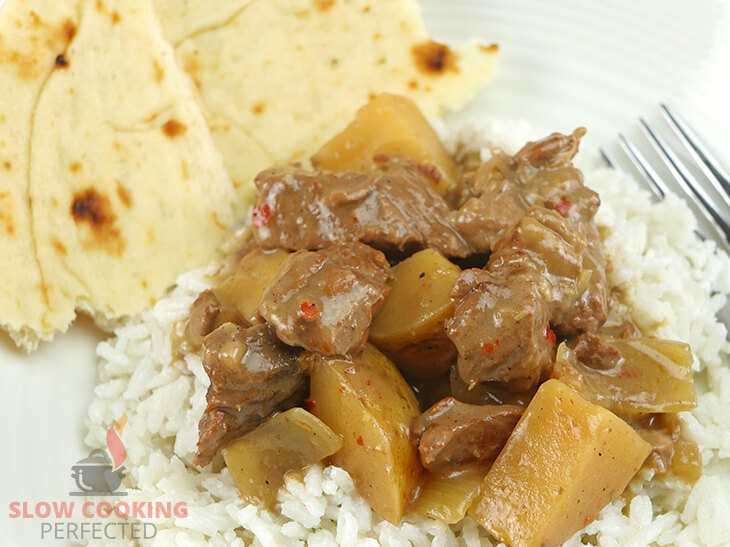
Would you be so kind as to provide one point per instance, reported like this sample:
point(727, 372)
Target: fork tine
point(606, 158)
point(704, 159)
point(690, 186)
point(644, 167)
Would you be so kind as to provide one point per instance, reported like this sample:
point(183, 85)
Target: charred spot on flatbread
point(61, 61)
point(125, 197)
point(174, 128)
point(69, 30)
point(93, 209)
point(324, 5)
point(434, 58)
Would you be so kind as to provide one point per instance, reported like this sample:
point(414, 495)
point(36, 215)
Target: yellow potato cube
point(566, 459)
point(410, 327)
point(389, 125)
point(368, 403)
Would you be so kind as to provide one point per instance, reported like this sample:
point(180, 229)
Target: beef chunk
point(573, 284)
point(535, 276)
point(589, 310)
point(499, 327)
point(396, 210)
point(541, 175)
point(324, 301)
point(504, 187)
point(454, 436)
point(252, 375)
point(206, 314)
point(593, 352)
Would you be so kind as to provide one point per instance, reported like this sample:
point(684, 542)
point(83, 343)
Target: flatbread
point(278, 78)
point(110, 183)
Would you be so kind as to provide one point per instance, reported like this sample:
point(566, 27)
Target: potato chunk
point(566, 459)
point(244, 289)
point(368, 403)
point(389, 125)
point(410, 327)
point(286, 442)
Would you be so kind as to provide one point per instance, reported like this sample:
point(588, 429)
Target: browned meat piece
point(324, 301)
point(543, 242)
point(592, 351)
point(500, 327)
point(534, 206)
point(394, 210)
point(541, 174)
point(504, 187)
point(454, 436)
point(536, 275)
point(206, 314)
point(553, 151)
point(589, 310)
point(252, 375)
point(482, 220)
point(574, 283)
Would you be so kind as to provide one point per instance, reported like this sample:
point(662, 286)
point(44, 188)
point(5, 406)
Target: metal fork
point(690, 184)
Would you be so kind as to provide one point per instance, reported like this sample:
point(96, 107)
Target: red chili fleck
point(630, 374)
point(550, 335)
point(489, 347)
point(261, 215)
point(563, 206)
point(355, 220)
point(310, 404)
point(359, 440)
point(342, 389)
point(309, 310)
point(368, 382)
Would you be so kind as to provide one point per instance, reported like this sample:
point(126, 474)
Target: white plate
point(563, 63)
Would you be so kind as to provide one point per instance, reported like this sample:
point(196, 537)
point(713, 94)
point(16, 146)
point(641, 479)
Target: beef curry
point(446, 322)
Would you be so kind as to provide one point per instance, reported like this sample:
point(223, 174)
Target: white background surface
point(563, 63)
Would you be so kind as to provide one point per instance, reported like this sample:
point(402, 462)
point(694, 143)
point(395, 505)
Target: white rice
point(673, 282)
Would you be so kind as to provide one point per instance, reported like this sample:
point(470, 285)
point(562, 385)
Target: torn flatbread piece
point(111, 184)
point(283, 76)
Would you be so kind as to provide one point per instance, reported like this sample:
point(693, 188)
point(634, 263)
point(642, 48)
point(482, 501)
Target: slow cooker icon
point(95, 475)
